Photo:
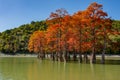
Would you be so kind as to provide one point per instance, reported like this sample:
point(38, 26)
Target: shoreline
point(35, 55)
point(20, 55)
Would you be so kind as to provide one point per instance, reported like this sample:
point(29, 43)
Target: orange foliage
point(79, 32)
point(37, 41)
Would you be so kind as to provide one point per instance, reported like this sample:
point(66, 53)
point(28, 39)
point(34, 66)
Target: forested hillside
point(16, 40)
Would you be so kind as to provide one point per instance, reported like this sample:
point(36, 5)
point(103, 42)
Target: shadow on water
point(113, 62)
point(109, 62)
point(32, 60)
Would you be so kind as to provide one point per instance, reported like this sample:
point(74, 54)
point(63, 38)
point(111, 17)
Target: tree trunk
point(64, 56)
point(93, 56)
point(38, 56)
point(68, 56)
point(80, 58)
point(60, 58)
point(74, 56)
point(85, 58)
point(104, 48)
point(56, 56)
point(103, 57)
point(52, 56)
point(42, 55)
point(80, 54)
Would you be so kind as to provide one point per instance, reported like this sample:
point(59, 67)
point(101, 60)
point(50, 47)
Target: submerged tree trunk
point(68, 56)
point(64, 50)
point(56, 56)
point(103, 57)
point(52, 56)
point(80, 52)
point(60, 58)
point(85, 58)
point(41, 55)
point(80, 57)
point(64, 55)
point(93, 56)
point(74, 56)
point(38, 56)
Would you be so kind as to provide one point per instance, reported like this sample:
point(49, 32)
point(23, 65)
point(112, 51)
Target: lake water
point(33, 69)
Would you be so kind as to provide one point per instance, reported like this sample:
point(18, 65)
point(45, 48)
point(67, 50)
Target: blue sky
point(14, 13)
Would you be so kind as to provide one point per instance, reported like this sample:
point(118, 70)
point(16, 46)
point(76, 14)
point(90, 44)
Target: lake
point(33, 69)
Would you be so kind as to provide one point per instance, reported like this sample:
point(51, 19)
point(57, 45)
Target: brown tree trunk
point(80, 54)
point(68, 56)
point(38, 56)
point(85, 58)
point(104, 48)
point(52, 56)
point(103, 57)
point(93, 56)
point(74, 56)
point(64, 56)
point(41, 55)
point(56, 56)
point(80, 58)
point(60, 58)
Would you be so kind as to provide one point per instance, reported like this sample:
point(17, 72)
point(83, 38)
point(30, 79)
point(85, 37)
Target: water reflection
point(113, 62)
point(34, 69)
point(92, 70)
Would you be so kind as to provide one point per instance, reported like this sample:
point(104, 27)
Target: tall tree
point(96, 14)
point(37, 43)
point(77, 25)
point(56, 18)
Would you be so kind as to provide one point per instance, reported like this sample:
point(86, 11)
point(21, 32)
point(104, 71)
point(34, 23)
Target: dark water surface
point(33, 69)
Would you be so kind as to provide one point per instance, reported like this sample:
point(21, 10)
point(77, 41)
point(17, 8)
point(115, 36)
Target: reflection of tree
point(32, 73)
point(92, 70)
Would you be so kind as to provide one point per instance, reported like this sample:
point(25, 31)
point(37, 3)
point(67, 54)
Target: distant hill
point(16, 40)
